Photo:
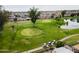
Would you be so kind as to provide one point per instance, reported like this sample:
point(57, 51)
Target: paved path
point(65, 38)
point(33, 50)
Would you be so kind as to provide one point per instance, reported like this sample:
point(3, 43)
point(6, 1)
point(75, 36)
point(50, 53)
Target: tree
point(59, 44)
point(15, 19)
point(72, 15)
point(52, 16)
point(13, 36)
point(59, 21)
point(34, 14)
point(77, 20)
point(63, 13)
point(77, 14)
point(17, 15)
point(4, 15)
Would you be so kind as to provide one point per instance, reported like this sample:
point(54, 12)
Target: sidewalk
point(68, 37)
point(65, 38)
point(30, 51)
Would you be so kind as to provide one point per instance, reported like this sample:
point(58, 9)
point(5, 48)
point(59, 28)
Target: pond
point(71, 24)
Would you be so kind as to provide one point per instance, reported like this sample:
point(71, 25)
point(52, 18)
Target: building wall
point(43, 15)
point(48, 14)
point(22, 16)
point(69, 12)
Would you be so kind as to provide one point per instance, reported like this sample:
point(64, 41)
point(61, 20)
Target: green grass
point(69, 17)
point(73, 40)
point(23, 43)
point(31, 32)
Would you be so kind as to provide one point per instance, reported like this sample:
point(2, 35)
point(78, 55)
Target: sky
point(40, 7)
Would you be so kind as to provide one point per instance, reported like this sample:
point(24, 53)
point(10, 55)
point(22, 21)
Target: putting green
point(31, 32)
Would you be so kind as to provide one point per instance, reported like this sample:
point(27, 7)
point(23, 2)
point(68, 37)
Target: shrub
point(59, 21)
point(59, 44)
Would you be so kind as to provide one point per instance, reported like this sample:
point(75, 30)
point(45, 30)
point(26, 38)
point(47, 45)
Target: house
point(25, 15)
point(43, 15)
point(69, 12)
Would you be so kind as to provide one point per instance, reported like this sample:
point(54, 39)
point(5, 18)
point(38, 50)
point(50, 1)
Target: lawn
point(67, 17)
point(73, 40)
point(27, 37)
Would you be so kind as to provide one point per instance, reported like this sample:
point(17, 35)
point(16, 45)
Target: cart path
point(63, 39)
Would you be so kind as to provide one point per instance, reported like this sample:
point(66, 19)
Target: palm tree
point(34, 14)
